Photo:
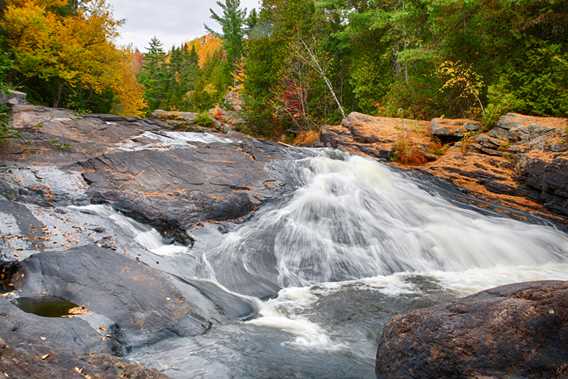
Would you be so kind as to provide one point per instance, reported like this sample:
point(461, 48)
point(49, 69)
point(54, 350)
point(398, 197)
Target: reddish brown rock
point(518, 164)
point(22, 364)
point(381, 137)
point(519, 330)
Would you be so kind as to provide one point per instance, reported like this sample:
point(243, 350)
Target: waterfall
point(356, 218)
point(328, 264)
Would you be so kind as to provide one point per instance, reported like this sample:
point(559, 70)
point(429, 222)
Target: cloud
point(172, 21)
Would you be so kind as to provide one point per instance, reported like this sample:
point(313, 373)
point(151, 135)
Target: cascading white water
point(356, 218)
point(356, 243)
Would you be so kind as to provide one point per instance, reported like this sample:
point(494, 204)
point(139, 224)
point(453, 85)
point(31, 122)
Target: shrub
point(5, 130)
point(501, 101)
point(307, 138)
point(203, 119)
point(406, 152)
point(437, 148)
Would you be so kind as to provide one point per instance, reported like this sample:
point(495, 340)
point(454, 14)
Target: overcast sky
point(172, 21)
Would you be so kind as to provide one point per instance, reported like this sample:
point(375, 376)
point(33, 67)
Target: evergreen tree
point(153, 75)
point(232, 21)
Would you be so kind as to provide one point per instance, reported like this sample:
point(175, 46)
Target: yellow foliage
point(239, 77)
point(129, 93)
point(307, 138)
point(210, 89)
point(461, 78)
point(72, 50)
point(206, 47)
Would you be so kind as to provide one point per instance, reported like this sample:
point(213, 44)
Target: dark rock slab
point(41, 335)
point(61, 137)
point(518, 330)
point(16, 363)
point(448, 130)
point(174, 189)
point(140, 302)
point(547, 174)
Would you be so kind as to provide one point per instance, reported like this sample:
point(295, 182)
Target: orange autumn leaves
point(72, 48)
point(206, 47)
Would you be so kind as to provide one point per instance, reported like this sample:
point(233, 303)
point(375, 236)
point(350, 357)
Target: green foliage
point(5, 131)
point(262, 65)
point(474, 58)
point(232, 21)
point(501, 101)
point(538, 79)
point(175, 81)
point(291, 72)
point(203, 119)
point(5, 65)
point(153, 75)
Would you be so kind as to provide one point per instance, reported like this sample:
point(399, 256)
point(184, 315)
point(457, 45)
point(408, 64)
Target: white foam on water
point(169, 140)
point(287, 311)
point(282, 313)
point(356, 222)
point(144, 235)
point(356, 218)
point(198, 137)
point(475, 280)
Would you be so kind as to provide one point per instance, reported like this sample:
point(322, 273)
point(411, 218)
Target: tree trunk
point(58, 95)
point(324, 77)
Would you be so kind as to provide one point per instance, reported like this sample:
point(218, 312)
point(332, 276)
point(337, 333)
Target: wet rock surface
point(173, 190)
point(167, 179)
point(140, 301)
point(518, 330)
point(58, 248)
point(43, 363)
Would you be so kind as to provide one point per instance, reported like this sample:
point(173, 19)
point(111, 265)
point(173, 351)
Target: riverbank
point(520, 163)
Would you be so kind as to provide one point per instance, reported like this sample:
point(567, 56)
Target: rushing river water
point(326, 267)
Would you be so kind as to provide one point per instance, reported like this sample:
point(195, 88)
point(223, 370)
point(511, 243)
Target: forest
point(297, 65)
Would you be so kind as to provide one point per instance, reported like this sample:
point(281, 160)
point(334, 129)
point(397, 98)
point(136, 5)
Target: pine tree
point(232, 21)
point(153, 75)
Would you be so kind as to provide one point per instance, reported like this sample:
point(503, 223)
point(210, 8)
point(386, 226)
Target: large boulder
point(547, 173)
point(514, 331)
point(380, 137)
point(449, 130)
point(133, 303)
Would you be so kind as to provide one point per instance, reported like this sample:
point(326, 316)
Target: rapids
point(326, 267)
